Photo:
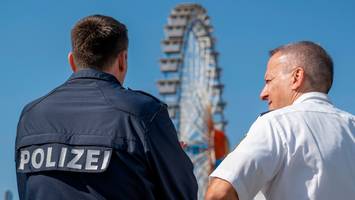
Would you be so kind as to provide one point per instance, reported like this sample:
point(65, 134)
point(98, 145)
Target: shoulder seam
point(109, 102)
point(141, 92)
point(41, 99)
point(161, 106)
point(115, 107)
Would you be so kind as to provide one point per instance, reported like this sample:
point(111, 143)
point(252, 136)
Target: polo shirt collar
point(318, 96)
point(91, 73)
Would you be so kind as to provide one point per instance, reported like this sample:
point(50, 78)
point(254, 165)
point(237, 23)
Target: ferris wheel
point(192, 88)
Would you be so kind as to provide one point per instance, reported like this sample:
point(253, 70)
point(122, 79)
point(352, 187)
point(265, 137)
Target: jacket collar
point(91, 73)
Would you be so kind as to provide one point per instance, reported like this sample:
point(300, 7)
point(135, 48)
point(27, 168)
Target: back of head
point(315, 61)
point(97, 40)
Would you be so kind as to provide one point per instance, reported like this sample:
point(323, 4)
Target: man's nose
point(264, 95)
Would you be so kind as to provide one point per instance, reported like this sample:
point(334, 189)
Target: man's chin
point(271, 107)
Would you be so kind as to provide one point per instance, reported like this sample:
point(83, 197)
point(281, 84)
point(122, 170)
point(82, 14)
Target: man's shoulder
point(32, 104)
point(295, 111)
point(136, 102)
point(287, 110)
point(145, 96)
point(265, 112)
point(267, 115)
point(344, 114)
point(278, 115)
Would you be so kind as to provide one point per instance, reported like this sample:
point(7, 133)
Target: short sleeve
point(255, 161)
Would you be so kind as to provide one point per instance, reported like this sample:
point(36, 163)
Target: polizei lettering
point(63, 157)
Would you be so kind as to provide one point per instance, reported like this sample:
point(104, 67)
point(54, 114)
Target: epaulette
point(147, 94)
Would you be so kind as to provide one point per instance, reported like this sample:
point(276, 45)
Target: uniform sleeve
point(172, 167)
point(21, 178)
point(255, 161)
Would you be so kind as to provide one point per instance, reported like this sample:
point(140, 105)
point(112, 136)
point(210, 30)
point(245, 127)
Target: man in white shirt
point(305, 147)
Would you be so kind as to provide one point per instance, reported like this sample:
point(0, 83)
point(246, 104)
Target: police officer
point(90, 138)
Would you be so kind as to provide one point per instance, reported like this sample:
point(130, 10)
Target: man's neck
point(114, 72)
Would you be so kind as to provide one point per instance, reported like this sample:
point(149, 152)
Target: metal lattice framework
point(191, 86)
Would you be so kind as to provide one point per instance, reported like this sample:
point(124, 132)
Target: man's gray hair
point(315, 61)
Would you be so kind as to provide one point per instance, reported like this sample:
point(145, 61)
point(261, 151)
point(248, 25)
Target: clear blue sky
point(35, 41)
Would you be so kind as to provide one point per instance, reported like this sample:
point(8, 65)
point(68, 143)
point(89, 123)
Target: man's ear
point(122, 61)
point(71, 62)
point(298, 78)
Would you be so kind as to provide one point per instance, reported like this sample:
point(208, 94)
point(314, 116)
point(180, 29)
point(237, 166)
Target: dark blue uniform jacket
point(92, 139)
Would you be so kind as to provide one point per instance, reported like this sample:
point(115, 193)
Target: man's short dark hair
point(97, 40)
point(316, 62)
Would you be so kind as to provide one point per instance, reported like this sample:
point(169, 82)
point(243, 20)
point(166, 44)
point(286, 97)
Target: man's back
point(92, 139)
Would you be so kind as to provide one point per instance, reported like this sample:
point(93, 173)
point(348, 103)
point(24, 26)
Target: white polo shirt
point(302, 151)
